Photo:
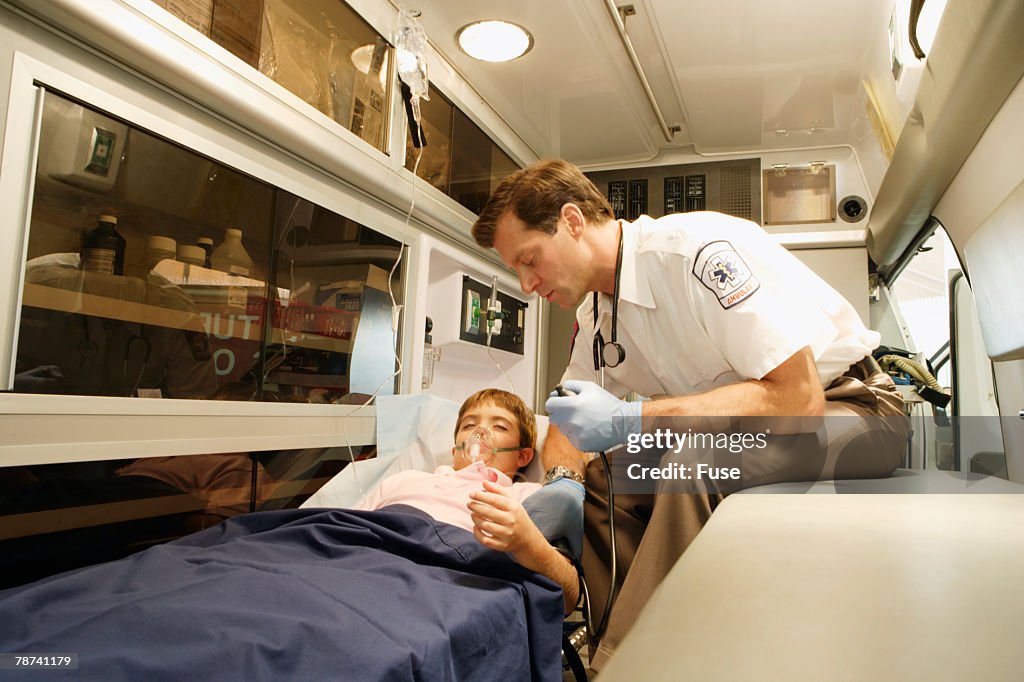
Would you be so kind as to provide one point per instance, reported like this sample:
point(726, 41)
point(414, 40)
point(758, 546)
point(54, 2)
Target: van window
point(940, 325)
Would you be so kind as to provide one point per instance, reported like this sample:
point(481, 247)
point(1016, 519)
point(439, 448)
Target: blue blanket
point(302, 594)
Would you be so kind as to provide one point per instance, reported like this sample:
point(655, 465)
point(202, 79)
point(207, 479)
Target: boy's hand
point(501, 523)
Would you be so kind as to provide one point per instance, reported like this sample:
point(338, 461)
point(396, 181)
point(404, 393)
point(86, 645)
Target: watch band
point(555, 473)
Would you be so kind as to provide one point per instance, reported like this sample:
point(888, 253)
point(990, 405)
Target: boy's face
point(505, 427)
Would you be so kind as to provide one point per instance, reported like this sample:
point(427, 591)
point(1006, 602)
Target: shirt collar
point(633, 283)
point(476, 472)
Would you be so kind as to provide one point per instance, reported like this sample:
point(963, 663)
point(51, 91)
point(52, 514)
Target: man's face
point(505, 428)
point(549, 264)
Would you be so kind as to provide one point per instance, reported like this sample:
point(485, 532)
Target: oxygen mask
point(479, 446)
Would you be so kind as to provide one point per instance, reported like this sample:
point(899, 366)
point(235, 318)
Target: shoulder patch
point(724, 273)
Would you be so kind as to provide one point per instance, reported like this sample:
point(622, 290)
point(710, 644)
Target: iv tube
point(411, 44)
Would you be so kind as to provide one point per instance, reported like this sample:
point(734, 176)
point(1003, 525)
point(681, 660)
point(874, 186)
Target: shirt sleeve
point(753, 299)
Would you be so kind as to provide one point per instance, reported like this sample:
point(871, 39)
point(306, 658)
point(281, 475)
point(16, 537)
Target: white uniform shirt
point(707, 299)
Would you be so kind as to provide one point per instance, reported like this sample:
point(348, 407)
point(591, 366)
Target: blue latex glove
point(593, 420)
point(557, 510)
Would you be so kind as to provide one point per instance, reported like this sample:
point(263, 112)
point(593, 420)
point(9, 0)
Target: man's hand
point(593, 419)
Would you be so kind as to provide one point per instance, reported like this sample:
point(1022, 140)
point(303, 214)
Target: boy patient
point(495, 437)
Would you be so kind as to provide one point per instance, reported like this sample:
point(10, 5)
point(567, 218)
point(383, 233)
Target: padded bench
point(902, 481)
point(843, 587)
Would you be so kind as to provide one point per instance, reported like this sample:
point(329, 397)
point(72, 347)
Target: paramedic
point(709, 315)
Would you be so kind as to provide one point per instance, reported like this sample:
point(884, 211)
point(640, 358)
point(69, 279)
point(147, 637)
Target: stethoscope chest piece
point(87, 348)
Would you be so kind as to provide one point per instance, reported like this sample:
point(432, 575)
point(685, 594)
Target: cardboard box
point(236, 26)
point(198, 14)
point(345, 292)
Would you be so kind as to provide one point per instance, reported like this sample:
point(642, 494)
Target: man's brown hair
point(509, 401)
point(536, 195)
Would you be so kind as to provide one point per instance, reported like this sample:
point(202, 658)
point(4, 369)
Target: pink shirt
point(443, 494)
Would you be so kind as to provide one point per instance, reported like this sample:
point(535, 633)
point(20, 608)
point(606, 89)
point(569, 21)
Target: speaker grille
point(736, 192)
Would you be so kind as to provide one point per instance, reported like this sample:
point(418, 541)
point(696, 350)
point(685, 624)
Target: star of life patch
point(724, 273)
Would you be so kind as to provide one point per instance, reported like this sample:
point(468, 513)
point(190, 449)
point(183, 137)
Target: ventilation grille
point(673, 195)
point(695, 193)
point(617, 197)
point(736, 192)
point(637, 199)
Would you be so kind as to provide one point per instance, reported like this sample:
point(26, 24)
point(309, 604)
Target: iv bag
point(411, 45)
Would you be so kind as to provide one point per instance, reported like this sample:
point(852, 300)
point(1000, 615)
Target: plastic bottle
point(206, 244)
point(231, 256)
point(193, 255)
point(430, 356)
point(103, 247)
point(158, 249)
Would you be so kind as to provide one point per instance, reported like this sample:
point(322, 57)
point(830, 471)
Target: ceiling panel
point(732, 74)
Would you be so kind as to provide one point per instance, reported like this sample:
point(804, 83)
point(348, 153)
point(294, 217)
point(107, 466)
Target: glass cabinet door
point(320, 50)
point(154, 271)
point(459, 158)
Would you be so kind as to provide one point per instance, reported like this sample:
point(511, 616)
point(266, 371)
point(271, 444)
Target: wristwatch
point(555, 473)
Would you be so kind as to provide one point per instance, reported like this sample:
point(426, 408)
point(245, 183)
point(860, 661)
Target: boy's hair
point(536, 195)
point(512, 403)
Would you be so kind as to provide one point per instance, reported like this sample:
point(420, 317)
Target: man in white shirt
point(713, 319)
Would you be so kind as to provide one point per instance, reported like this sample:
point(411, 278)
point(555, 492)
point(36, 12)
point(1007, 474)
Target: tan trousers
point(653, 530)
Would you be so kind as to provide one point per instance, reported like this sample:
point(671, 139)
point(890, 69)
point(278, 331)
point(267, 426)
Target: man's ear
point(525, 457)
point(573, 217)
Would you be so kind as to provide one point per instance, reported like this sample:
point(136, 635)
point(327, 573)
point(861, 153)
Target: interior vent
point(728, 186)
point(735, 186)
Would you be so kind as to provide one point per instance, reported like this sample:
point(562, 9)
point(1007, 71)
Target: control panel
point(486, 312)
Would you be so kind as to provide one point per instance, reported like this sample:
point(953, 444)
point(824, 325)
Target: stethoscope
point(606, 354)
point(609, 353)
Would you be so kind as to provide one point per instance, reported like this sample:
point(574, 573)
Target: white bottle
point(159, 248)
point(191, 254)
point(231, 256)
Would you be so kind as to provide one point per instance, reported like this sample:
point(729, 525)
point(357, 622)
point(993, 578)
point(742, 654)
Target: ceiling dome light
point(494, 41)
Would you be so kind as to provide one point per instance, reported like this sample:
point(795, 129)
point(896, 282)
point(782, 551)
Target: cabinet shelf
point(67, 301)
point(308, 380)
point(71, 518)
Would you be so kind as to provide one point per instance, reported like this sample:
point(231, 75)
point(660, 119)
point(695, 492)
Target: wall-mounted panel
point(731, 187)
